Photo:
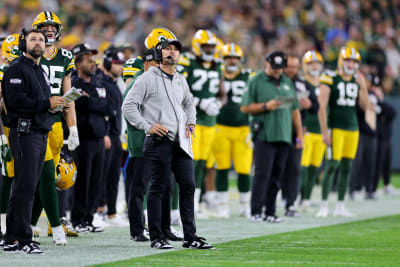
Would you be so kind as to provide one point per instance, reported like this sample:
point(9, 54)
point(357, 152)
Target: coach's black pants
point(28, 151)
point(291, 176)
point(111, 175)
point(166, 156)
point(138, 179)
point(269, 160)
point(363, 169)
point(383, 162)
point(90, 162)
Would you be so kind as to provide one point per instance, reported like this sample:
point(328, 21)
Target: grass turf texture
point(373, 242)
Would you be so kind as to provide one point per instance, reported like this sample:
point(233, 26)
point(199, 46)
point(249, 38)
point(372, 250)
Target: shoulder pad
point(66, 53)
point(184, 61)
point(327, 77)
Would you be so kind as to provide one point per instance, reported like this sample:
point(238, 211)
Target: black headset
point(158, 48)
point(22, 40)
point(107, 60)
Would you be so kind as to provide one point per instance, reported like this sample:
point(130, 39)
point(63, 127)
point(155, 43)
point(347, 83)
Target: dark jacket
point(385, 120)
point(92, 111)
point(26, 92)
point(114, 98)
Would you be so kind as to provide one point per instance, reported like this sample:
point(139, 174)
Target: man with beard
point(26, 92)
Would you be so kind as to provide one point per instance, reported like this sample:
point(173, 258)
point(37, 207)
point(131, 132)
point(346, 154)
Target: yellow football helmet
point(48, 18)
point(232, 50)
point(66, 172)
point(309, 57)
point(9, 47)
point(157, 35)
point(200, 38)
point(348, 53)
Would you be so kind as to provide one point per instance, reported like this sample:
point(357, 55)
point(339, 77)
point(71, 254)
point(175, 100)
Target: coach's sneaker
point(341, 211)
point(176, 218)
point(94, 229)
point(81, 228)
point(197, 243)
point(390, 190)
point(160, 244)
point(59, 236)
point(31, 248)
point(35, 233)
point(323, 210)
point(244, 201)
point(273, 219)
point(257, 218)
point(11, 247)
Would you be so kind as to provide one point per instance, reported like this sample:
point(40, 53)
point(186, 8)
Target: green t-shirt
point(230, 114)
point(135, 136)
point(311, 121)
point(342, 101)
point(131, 67)
point(57, 66)
point(203, 83)
point(276, 125)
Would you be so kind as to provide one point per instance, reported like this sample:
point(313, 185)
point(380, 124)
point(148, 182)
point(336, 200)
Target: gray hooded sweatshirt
point(154, 98)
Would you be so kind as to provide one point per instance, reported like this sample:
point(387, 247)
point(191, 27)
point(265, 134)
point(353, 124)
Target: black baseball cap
point(148, 55)
point(277, 59)
point(114, 55)
point(168, 42)
point(83, 48)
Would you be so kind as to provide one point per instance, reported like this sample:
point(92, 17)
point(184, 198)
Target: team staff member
point(291, 176)
point(113, 63)
point(26, 92)
point(274, 119)
point(169, 117)
point(92, 110)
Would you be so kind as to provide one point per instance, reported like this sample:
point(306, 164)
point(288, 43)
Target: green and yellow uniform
point(57, 66)
point(232, 140)
point(203, 79)
point(343, 126)
point(314, 147)
point(135, 136)
point(342, 116)
point(131, 67)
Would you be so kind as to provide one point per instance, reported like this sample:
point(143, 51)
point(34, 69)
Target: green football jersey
point(203, 83)
point(342, 101)
point(311, 121)
point(57, 66)
point(131, 67)
point(135, 136)
point(230, 114)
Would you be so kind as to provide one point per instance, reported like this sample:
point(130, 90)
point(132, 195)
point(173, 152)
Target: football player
point(58, 64)
point(339, 93)
point(205, 80)
point(314, 147)
point(232, 139)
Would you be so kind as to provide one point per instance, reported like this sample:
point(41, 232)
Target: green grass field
point(374, 242)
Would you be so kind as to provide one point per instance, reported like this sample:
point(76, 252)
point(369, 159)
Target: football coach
point(26, 92)
point(161, 104)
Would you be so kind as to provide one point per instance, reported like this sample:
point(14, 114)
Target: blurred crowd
point(259, 26)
